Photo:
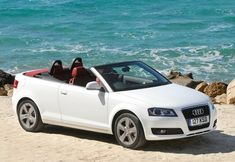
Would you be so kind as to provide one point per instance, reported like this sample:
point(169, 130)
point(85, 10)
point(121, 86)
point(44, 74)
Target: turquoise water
point(186, 35)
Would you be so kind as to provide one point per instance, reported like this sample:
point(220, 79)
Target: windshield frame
point(143, 65)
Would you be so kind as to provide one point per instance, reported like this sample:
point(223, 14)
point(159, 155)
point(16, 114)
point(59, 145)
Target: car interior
point(119, 79)
point(76, 74)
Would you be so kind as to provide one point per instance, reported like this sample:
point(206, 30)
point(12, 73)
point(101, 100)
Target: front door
point(83, 108)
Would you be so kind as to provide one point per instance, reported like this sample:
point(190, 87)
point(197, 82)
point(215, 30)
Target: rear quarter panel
point(44, 93)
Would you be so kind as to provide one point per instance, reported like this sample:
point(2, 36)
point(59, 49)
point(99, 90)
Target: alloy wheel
point(126, 131)
point(27, 115)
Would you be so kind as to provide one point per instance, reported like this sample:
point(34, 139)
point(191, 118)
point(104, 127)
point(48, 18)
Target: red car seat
point(80, 76)
point(57, 70)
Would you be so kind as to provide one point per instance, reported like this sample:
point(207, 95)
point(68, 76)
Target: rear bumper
point(14, 103)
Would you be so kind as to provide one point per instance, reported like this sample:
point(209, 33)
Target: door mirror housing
point(93, 86)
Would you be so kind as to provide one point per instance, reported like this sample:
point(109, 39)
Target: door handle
point(63, 93)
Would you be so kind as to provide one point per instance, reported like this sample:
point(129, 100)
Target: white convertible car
point(128, 99)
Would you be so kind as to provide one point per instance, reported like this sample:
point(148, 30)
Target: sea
point(195, 36)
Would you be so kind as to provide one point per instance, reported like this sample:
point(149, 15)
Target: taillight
point(15, 85)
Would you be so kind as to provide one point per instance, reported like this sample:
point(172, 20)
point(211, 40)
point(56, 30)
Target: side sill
point(106, 131)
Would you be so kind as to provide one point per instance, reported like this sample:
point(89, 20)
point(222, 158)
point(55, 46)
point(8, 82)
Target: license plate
point(198, 121)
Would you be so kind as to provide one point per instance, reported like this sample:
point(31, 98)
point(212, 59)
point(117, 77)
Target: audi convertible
point(130, 100)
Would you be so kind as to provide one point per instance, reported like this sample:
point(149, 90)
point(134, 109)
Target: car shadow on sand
point(214, 142)
point(82, 134)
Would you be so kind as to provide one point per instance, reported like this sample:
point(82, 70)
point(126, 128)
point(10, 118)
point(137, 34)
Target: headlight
point(161, 112)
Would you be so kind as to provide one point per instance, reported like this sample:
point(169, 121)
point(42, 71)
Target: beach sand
point(65, 144)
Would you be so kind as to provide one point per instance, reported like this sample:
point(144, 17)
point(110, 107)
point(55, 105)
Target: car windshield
point(131, 75)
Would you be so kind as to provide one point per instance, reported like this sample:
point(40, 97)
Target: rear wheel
point(128, 131)
point(29, 116)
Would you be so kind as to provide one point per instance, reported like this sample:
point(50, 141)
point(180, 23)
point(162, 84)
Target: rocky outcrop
point(6, 81)
point(175, 74)
point(6, 78)
point(6, 90)
point(10, 92)
point(3, 92)
point(218, 91)
point(221, 99)
point(215, 89)
point(183, 79)
point(201, 87)
point(231, 92)
point(9, 89)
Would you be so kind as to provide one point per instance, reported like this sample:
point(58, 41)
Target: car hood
point(168, 96)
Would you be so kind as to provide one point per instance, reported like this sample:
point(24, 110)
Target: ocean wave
point(136, 35)
point(78, 48)
point(219, 27)
point(13, 70)
point(226, 12)
point(202, 61)
point(227, 46)
point(203, 56)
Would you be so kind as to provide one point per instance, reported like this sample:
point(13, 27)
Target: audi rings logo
point(197, 112)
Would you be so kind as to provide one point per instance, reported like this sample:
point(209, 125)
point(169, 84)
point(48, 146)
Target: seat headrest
point(57, 69)
point(77, 64)
point(79, 71)
point(55, 63)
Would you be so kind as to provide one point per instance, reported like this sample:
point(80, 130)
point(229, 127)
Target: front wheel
point(128, 131)
point(29, 116)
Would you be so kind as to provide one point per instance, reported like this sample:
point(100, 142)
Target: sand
point(65, 144)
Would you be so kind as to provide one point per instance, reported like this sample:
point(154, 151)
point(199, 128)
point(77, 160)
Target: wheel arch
point(21, 100)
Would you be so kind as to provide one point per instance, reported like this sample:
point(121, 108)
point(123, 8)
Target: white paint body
point(73, 106)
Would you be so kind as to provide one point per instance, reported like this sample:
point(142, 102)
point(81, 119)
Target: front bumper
point(170, 127)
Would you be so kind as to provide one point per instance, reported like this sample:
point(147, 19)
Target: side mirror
point(93, 86)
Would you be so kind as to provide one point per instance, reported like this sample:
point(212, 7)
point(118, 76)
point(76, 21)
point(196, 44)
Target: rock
point(173, 74)
point(185, 81)
point(201, 87)
point(231, 92)
point(6, 78)
point(8, 87)
point(213, 100)
point(221, 99)
point(193, 84)
point(189, 75)
point(10, 92)
point(3, 92)
point(215, 89)
point(182, 79)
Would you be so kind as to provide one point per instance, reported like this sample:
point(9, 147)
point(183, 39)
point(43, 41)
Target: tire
point(29, 116)
point(129, 135)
